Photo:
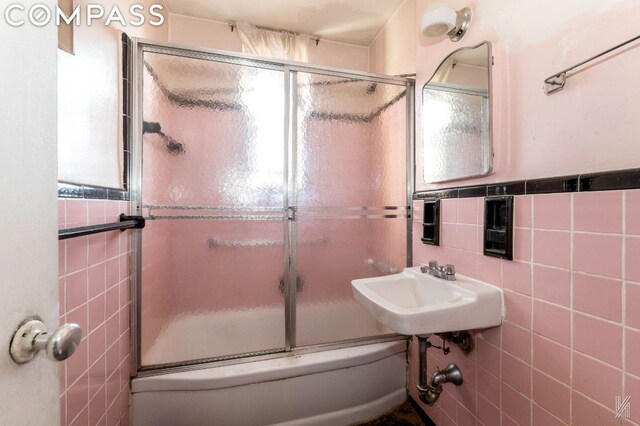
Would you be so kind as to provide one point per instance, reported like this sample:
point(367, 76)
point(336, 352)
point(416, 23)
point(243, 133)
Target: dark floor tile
point(403, 415)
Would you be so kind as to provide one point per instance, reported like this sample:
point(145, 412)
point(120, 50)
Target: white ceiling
point(347, 21)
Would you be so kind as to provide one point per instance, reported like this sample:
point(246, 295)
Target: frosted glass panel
point(326, 310)
point(455, 134)
point(352, 142)
point(213, 254)
point(351, 152)
point(215, 135)
point(213, 156)
point(210, 289)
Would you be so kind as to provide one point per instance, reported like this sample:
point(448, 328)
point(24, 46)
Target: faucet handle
point(449, 269)
point(433, 264)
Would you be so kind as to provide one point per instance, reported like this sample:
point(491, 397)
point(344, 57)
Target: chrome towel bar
point(557, 81)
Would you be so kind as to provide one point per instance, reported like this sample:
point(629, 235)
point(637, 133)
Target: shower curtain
point(273, 44)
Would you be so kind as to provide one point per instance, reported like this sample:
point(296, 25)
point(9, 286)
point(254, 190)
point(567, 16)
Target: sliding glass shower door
point(267, 187)
point(351, 197)
point(212, 193)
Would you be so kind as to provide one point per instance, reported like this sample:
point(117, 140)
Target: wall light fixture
point(440, 19)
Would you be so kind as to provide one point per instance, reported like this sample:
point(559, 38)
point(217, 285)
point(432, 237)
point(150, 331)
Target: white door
point(28, 213)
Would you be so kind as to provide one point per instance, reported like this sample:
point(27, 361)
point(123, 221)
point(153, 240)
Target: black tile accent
point(423, 416)
point(498, 227)
point(91, 192)
point(440, 193)
point(472, 191)
point(70, 190)
point(126, 133)
point(601, 181)
point(407, 413)
point(126, 101)
point(126, 160)
point(118, 194)
point(609, 181)
point(552, 185)
point(95, 192)
point(509, 188)
point(431, 222)
point(126, 111)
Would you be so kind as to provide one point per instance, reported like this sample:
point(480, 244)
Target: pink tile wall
point(94, 292)
point(570, 342)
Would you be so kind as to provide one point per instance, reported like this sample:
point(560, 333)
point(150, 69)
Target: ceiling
point(347, 21)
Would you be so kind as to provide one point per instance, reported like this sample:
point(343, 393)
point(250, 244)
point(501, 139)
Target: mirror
point(456, 122)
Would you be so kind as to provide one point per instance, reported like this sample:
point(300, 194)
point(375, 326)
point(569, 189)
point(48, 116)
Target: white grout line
point(500, 348)
point(550, 413)
point(571, 266)
point(623, 274)
point(531, 277)
point(594, 401)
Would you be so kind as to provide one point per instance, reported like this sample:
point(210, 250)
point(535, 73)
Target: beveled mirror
point(456, 119)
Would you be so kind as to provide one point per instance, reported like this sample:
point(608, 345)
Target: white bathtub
point(333, 387)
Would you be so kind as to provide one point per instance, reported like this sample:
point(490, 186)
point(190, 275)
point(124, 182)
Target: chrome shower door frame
point(141, 46)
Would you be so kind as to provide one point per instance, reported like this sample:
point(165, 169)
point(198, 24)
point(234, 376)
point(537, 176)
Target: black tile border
point(127, 84)
point(423, 416)
point(587, 182)
point(509, 188)
point(552, 185)
point(624, 179)
point(91, 192)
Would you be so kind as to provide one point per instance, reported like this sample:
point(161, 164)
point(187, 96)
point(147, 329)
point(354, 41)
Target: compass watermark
point(39, 15)
point(623, 407)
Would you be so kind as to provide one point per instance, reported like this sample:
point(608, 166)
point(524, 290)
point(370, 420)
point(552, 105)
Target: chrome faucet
point(446, 272)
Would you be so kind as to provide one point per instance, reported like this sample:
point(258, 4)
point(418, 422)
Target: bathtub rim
point(191, 365)
point(217, 376)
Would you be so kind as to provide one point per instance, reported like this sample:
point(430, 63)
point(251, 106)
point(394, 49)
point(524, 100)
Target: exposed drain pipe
point(430, 391)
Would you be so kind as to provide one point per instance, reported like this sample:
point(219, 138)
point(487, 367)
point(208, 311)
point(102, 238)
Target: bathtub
point(331, 387)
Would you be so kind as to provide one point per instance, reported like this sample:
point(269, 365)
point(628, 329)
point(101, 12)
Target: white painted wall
point(29, 248)
point(393, 51)
point(90, 112)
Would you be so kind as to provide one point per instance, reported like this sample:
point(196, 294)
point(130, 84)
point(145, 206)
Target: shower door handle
point(32, 336)
point(299, 285)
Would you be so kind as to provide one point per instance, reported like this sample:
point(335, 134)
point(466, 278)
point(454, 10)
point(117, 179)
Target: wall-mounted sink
point(415, 303)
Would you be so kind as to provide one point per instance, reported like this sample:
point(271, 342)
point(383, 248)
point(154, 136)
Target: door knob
point(32, 336)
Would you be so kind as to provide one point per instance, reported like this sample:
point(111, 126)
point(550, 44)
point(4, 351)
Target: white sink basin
point(415, 303)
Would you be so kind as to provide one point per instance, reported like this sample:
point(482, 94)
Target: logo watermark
point(623, 407)
point(40, 15)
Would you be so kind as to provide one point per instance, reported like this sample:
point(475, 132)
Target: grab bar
point(126, 222)
point(557, 81)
